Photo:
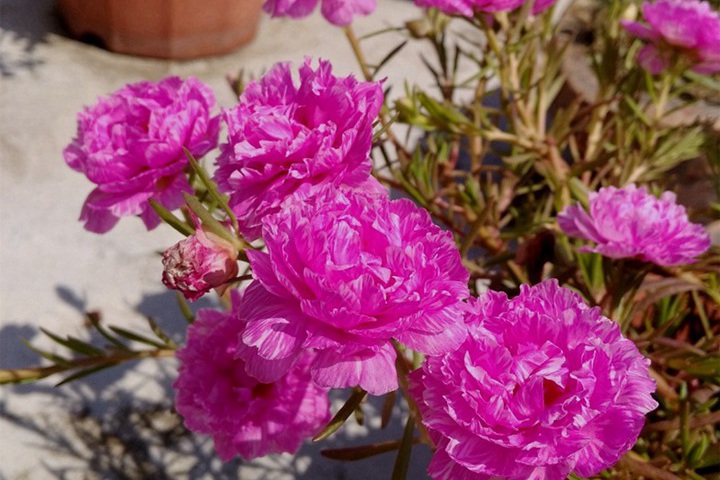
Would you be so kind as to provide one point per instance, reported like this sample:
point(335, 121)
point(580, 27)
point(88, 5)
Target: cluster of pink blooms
point(534, 387)
point(542, 387)
point(337, 12)
point(243, 415)
point(130, 145)
point(690, 28)
point(468, 8)
point(346, 269)
point(629, 222)
point(284, 139)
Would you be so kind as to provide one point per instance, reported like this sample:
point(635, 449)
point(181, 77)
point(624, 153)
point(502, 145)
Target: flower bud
point(198, 263)
point(421, 28)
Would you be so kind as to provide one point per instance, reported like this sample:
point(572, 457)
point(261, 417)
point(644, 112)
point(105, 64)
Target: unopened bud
point(419, 28)
point(199, 263)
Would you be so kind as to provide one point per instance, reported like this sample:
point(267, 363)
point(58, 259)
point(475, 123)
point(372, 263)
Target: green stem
point(403, 370)
point(22, 375)
point(660, 106)
point(623, 281)
point(357, 51)
point(368, 75)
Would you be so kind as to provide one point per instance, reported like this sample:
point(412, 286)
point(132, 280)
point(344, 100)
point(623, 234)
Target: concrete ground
point(51, 270)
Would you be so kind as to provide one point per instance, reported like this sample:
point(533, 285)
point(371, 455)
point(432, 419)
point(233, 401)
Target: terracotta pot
point(173, 29)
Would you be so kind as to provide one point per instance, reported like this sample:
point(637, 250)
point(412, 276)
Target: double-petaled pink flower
point(689, 28)
point(130, 144)
point(245, 417)
point(284, 138)
point(543, 386)
point(345, 272)
point(199, 263)
point(468, 8)
point(629, 222)
point(337, 12)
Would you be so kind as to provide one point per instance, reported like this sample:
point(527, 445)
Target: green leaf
point(382, 31)
point(359, 415)
point(210, 223)
point(578, 190)
point(84, 373)
point(185, 308)
point(362, 452)
point(444, 114)
point(160, 333)
point(703, 80)
point(342, 415)
point(387, 409)
point(708, 367)
point(700, 307)
point(211, 187)
point(74, 344)
point(433, 71)
point(389, 56)
point(94, 319)
point(57, 359)
point(639, 113)
point(592, 271)
point(710, 459)
point(385, 128)
point(137, 337)
point(171, 219)
point(697, 451)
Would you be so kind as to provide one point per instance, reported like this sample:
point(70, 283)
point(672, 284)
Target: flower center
point(551, 392)
point(164, 182)
point(262, 390)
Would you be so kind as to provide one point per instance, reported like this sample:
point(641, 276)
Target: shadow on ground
point(106, 426)
point(24, 25)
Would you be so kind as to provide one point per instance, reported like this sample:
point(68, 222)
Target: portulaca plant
point(518, 270)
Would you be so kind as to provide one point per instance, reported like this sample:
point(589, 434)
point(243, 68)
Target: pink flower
point(337, 12)
point(283, 137)
point(345, 272)
point(686, 27)
point(130, 145)
point(543, 386)
point(244, 416)
point(198, 263)
point(468, 8)
point(629, 222)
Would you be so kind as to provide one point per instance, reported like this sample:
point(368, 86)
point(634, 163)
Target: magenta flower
point(130, 145)
point(337, 12)
point(467, 8)
point(629, 222)
point(542, 387)
point(284, 138)
point(199, 263)
point(345, 272)
point(244, 416)
point(686, 27)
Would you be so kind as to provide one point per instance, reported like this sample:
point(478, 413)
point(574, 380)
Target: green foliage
point(495, 168)
point(86, 358)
